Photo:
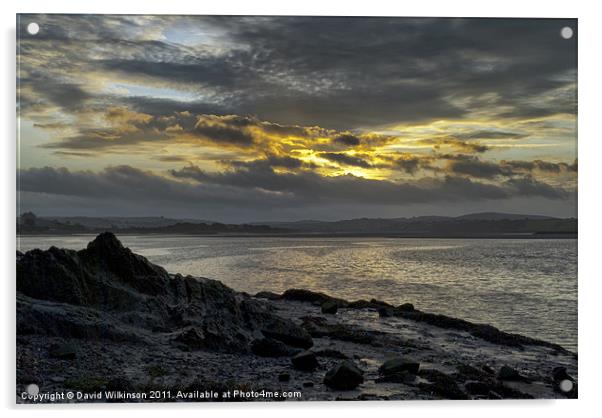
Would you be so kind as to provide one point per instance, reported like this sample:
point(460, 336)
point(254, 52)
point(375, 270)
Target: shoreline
point(330, 235)
point(154, 329)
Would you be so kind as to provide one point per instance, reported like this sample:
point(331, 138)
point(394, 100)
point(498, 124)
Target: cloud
point(346, 139)
point(407, 70)
point(345, 159)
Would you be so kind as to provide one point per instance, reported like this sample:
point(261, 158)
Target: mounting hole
point(566, 385)
point(33, 28)
point(566, 32)
point(33, 389)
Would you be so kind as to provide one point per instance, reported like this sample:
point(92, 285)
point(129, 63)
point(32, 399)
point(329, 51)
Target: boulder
point(330, 307)
point(397, 365)
point(475, 387)
point(344, 376)
point(305, 361)
point(406, 307)
point(559, 374)
point(267, 295)
point(288, 333)
point(330, 353)
point(268, 347)
point(508, 373)
point(385, 312)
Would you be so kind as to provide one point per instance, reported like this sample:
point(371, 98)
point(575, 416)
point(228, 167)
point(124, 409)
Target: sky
point(248, 118)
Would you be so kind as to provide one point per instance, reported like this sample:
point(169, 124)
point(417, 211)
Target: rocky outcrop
point(107, 291)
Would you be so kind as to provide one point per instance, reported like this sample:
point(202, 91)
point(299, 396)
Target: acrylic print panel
point(295, 208)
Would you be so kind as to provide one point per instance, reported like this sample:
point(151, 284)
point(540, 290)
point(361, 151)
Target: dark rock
point(318, 298)
point(467, 372)
point(63, 351)
point(407, 307)
point(361, 304)
point(477, 388)
point(288, 333)
point(486, 332)
point(107, 292)
point(330, 307)
point(268, 347)
point(487, 369)
point(284, 377)
point(559, 374)
point(344, 376)
point(195, 339)
point(508, 373)
point(398, 377)
point(268, 295)
point(305, 361)
point(327, 352)
point(440, 385)
point(380, 303)
point(319, 327)
point(398, 364)
point(308, 384)
point(385, 312)
point(119, 384)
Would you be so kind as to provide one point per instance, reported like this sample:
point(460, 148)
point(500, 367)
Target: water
point(523, 286)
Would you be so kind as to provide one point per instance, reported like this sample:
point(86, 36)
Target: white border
point(590, 149)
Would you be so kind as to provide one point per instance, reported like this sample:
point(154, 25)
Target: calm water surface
point(523, 286)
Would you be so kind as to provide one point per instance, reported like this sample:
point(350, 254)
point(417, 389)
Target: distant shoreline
point(555, 235)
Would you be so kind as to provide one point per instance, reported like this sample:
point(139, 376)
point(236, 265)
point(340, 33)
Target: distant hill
point(475, 224)
point(496, 216)
point(30, 224)
point(485, 224)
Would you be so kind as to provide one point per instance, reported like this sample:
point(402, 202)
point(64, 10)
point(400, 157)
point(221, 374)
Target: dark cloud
point(346, 139)
point(344, 72)
point(345, 159)
point(479, 169)
point(540, 165)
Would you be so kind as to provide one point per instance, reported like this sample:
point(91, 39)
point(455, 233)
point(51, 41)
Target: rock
point(308, 384)
point(385, 312)
point(63, 351)
point(107, 292)
point(398, 364)
point(57, 379)
point(398, 377)
point(380, 303)
point(330, 307)
point(508, 373)
point(119, 384)
point(318, 298)
point(288, 333)
point(559, 374)
point(268, 347)
point(360, 304)
point(487, 369)
point(344, 376)
point(267, 295)
point(328, 352)
point(305, 361)
point(477, 388)
point(440, 385)
point(406, 307)
point(319, 327)
point(284, 377)
point(195, 339)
